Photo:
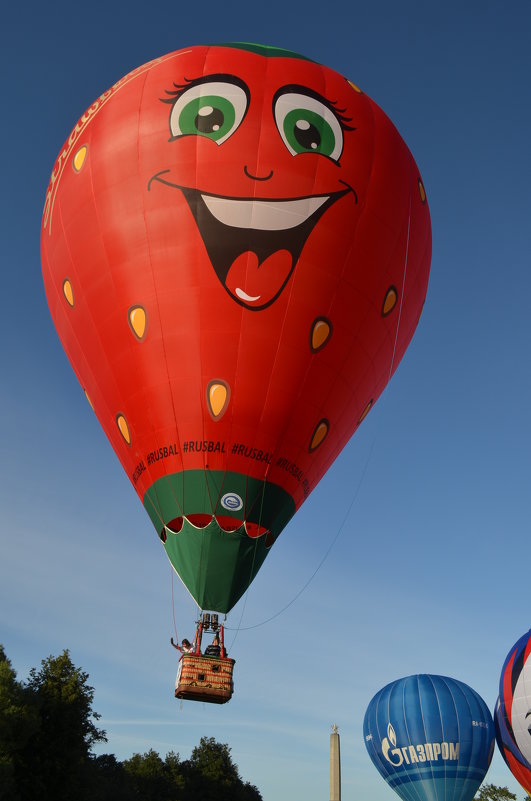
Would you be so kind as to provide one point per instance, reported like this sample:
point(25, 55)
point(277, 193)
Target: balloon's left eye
point(307, 125)
point(214, 110)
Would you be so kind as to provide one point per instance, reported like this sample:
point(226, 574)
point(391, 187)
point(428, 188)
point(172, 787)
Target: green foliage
point(213, 761)
point(56, 758)
point(491, 792)
point(212, 774)
point(18, 722)
point(152, 779)
point(48, 728)
point(107, 780)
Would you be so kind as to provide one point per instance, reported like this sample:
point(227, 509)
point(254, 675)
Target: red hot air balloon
point(235, 246)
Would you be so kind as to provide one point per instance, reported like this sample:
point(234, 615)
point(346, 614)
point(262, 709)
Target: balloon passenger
point(185, 648)
point(214, 649)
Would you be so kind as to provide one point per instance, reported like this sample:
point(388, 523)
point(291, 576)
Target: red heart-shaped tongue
point(254, 283)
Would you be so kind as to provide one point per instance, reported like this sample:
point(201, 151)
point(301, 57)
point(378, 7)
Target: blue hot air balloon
point(430, 737)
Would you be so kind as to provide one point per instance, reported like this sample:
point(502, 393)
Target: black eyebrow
point(529, 713)
point(180, 88)
point(330, 104)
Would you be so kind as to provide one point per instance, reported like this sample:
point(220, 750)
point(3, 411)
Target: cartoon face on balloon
point(280, 156)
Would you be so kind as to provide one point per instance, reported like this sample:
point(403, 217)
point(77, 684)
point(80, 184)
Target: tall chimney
point(335, 765)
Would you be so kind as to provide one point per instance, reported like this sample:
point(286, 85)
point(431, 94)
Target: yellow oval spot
point(218, 396)
point(137, 317)
point(366, 411)
point(123, 428)
point(356, 88)
point(79, 158)
point(321, 332)
point(390, 300)
point(68, 292)
point(422, 191)
point(87, 396)
point(321, 430)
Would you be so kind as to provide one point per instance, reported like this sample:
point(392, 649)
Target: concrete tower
point(335, 765)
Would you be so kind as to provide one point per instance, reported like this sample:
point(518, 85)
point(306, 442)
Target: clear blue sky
point(431, 570)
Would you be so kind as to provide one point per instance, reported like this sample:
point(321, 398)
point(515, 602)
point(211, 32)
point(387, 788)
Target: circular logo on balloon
point(232, 502)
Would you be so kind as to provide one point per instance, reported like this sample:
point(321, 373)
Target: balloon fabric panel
point(511, 715)
point(236, 245)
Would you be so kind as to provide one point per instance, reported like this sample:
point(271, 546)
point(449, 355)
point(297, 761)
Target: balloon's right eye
point(214, 109)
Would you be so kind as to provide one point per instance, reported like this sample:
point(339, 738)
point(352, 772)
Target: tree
point(108, 780)
point(17, 723)
point(213, 761)
point(211, 774)
point(491, 792)
point(56, 759)
point(150, 778)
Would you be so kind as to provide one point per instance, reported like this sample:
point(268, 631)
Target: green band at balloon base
point(217, 566)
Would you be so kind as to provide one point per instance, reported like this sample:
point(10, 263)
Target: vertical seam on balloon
point(153, 484)
point(414, 787)
point(440, 712)
point(456, 688)
point(289, 416)
point(334, 454)
point(311, 472)
point(166, 479)
point(110, 412)
point(265, 110)
point(443, 732)
point(469, 761)
point(406, 256)
point(202, 401)
point(424, 721)
point(202, 578)
point(236, 371)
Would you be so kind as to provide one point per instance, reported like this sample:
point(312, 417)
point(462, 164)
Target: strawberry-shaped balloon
point(236, 246)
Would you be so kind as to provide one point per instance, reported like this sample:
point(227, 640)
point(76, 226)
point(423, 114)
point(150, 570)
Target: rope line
point(173, 607)
point(238, 629)
point(327, 552)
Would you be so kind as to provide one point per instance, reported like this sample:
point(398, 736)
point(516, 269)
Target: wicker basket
point(204, 678)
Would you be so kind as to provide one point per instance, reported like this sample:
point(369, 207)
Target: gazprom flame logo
point(422, 752)
point(387, 743)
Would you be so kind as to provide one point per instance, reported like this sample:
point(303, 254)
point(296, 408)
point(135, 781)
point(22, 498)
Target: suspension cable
point(326, 554)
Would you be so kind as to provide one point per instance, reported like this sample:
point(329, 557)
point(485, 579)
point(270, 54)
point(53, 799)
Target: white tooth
point(244, 296)
point(263, 215)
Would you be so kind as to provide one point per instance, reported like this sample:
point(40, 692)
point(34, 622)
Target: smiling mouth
point(254, 244)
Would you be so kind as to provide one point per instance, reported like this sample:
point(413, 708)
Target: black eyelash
point(339, 112)
point(330, 104)
point(180, 88)
point(177, 92)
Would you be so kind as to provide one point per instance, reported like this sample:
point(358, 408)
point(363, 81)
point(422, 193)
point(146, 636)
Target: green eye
point(214, 110)
point(210, 116)
point(306, 131)
point(308, 126)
